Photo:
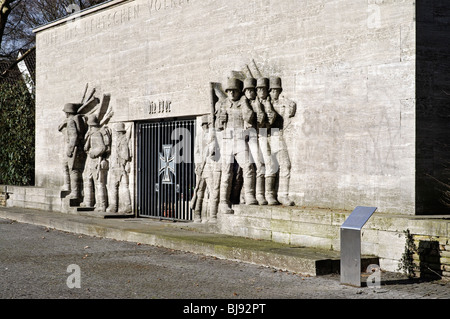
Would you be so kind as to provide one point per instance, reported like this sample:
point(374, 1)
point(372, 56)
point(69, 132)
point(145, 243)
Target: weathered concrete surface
point(286, 238)
point(189, 237)
point(382, 236)
point(35, 262)
point(349, 66)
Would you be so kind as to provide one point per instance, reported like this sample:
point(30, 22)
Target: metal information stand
point(351, 245)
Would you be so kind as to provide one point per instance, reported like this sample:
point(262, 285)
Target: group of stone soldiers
point(87, 161)
point(245, 128)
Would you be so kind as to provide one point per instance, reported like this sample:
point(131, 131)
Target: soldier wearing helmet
point(208, 171)
point(120, 170)
point(233, 113)
point(97, 144)
point(74, 129)
point(258, 120)
point(262, 90)
point(285, 109)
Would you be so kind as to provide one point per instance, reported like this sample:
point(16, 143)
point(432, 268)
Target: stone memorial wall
point(349, 66)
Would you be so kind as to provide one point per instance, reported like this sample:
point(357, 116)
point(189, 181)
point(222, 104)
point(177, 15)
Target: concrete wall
point(383, 236)
point(349, 65)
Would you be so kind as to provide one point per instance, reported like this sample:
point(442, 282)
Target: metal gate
point(165, 169)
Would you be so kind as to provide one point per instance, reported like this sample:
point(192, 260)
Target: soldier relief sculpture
point(95, 154)
point(244, 137)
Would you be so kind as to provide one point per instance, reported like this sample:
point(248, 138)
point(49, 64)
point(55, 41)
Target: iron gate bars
point(165, 169)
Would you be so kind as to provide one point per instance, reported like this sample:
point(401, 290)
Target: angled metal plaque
point(359, 217)
point(351, 245)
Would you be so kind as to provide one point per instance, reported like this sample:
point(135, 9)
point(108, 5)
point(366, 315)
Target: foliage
point(25, 15)
point(407, 264)
point(17, 127)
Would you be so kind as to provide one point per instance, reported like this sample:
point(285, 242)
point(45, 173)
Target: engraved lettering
point(160, 107)
point(158, 5)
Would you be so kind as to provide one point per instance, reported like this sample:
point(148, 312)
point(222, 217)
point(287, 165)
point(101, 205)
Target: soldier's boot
point(197, 216)
point(260, 191)
point(112, 208)
point(125, 206)
point(213, 213)
point(66, 187)
point(283, 192)
point(250, 191)
point(225, 192)
point(224, 204)
point(225, 207)
point(100, 199)
point(88, 200)
point(270, 191)
point(113, 205)
point(242, 196)
point(75, 190)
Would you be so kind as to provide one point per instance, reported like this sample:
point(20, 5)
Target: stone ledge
point(189, 237)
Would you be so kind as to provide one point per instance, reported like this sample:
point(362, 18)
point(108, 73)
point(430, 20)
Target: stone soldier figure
point(249, 91)
point(74, 129)
point(97, 145)
point(120, 169)
point(285, 110)
point(232, 115)
point(262, 91)
point(208, 171)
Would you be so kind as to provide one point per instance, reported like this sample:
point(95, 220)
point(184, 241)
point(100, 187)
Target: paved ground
point(34, 261)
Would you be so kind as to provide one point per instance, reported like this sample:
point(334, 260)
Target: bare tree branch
point(5, 72)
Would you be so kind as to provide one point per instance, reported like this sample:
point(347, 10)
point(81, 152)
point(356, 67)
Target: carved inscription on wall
point(79, 27)
point(158, 5)
point(160, 107)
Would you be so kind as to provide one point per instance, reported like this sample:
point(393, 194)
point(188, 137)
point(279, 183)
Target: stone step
point(189, 237)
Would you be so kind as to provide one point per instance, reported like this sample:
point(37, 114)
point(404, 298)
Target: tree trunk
point(5, 10)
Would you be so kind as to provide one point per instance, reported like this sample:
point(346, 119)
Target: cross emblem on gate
point(166, 164)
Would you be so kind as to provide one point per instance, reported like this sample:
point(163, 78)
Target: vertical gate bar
point(147, 171)
point(171, 187)
point(185, 199)
point(168, 186)
point(174, 186)
point(143, 170)
point(183, 125)
point(189, 145)
point(164, 141)
point(182, 192)
point(153, 171)
point(158, 146)
point(152, 197)
point(186, 142)
point(138, 177)
point(147, 164)
point(184, 184)
point(192, 165)
point(185, 146)
point(150, 163)
point(178, 181)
